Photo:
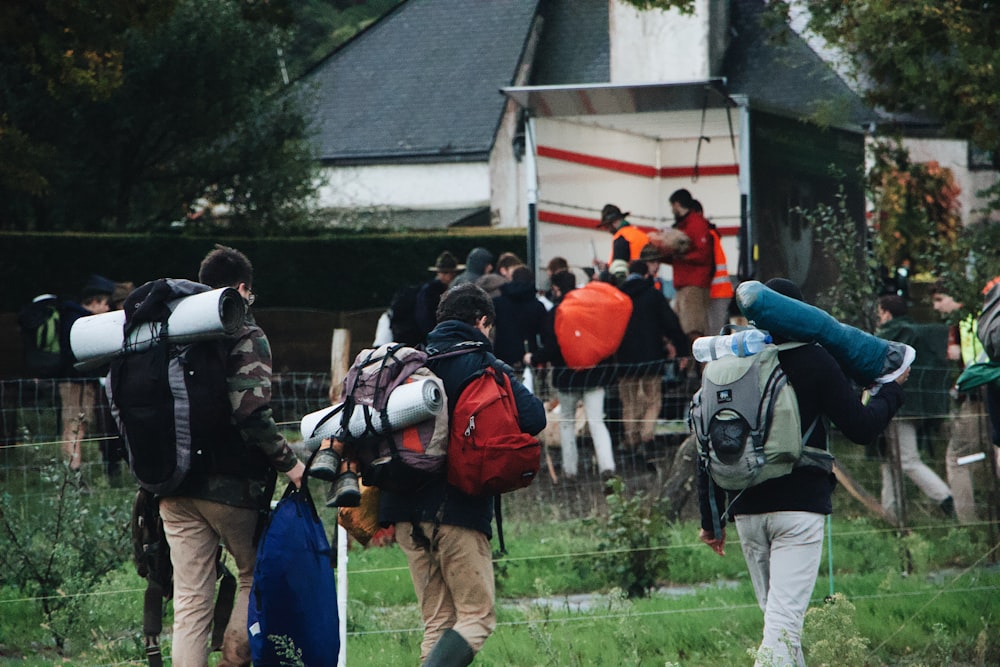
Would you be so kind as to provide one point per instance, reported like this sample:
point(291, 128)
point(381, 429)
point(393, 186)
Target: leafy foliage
point(832, 636)
point(195, 118)
point(932, 58)
point(629, 541)
point(59, 548)
point(853, 297)
point(916, 212)
point(682, 6)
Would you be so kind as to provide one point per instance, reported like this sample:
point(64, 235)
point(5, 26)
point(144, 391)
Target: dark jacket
point(563, 377)
point(425, 311)
point(823, 390)
point(643, 348)
point(519, 320)
point(930, 375)
point(441, 501)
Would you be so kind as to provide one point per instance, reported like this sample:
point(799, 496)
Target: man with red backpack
point(444, 532)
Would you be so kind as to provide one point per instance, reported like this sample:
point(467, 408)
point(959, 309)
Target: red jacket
point(695, 269)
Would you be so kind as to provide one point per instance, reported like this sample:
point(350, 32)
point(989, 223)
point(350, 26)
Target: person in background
point(626, 243)
point(572, 386)
point(78, 392)
point(445, 269)
point(968, 427)
point(720, 292)
point(652, 337)
point(693, 270)
point(902, 455)
point(520, 317)
point(478, 263)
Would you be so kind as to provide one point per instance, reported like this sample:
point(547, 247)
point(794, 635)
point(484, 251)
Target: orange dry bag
point(590, 323)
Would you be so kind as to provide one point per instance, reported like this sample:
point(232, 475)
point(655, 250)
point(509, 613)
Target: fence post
point(340, 350)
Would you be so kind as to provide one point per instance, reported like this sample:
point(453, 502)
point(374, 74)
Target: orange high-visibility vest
point(637, 239)
point(721, 287)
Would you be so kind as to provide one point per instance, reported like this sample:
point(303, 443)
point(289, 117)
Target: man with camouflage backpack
point(210, 507)
point(780, 520)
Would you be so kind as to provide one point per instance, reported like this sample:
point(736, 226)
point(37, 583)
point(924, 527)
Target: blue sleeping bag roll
point(864, 357)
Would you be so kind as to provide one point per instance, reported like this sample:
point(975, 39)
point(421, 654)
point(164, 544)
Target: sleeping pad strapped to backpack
point(171, 401)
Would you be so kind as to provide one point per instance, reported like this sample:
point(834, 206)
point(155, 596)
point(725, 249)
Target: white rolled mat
point(97, 339)
point(408, 404)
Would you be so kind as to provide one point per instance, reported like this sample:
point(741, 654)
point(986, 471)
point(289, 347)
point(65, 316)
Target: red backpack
point(488, 454)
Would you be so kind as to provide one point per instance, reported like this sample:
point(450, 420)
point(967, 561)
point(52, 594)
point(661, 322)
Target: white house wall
point(417, 186)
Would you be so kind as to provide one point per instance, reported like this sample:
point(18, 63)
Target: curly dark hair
point(466, 303)
point(225, 267)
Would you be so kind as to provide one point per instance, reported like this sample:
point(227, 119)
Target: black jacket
point(519, 319)
point(441, 501)
point(823, 390)
point(653, 321)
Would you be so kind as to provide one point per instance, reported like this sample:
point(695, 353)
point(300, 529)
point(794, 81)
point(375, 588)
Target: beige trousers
point(642, 398)
point(453, 580)
point(692, 310)
point(77, 400)
point(194, 529)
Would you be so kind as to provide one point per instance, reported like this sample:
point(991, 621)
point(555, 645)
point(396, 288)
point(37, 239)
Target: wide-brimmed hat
point(446, 263)
point(649, 253)
point(611, 214)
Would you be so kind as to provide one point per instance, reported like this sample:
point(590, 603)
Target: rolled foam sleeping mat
point(408, 404)
point(862, 355)
point(97, 339)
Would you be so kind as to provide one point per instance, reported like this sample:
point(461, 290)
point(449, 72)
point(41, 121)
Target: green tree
point(197, 114)
point(941, 59)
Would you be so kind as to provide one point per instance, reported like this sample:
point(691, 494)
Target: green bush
point(631, 541)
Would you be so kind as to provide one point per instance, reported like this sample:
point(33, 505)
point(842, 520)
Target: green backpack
point(746, 419)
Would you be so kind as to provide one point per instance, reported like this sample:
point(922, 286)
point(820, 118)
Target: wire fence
point(35, 428)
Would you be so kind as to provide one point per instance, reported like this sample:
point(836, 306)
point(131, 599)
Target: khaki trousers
point(692, 310)
point(453, 580)
point(969, 433)
point(194, 529)
point(642, 398)
point(77, 400)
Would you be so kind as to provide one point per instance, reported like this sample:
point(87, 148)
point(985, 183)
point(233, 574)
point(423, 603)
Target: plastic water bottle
point(742, 344)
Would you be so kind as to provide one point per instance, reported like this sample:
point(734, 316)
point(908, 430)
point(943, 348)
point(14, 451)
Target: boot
point(345, 491)
point(325, 465)
point(451, 650)
point(948, 507)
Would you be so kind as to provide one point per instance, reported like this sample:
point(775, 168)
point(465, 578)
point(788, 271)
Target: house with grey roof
point(535, 113)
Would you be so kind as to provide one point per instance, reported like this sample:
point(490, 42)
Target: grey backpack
point(746, 419)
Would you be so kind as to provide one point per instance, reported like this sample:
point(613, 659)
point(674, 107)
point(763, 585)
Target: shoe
point(948, 507)
point(451, 650)
point(899, 357)
point(325, 465)
point(345, 491)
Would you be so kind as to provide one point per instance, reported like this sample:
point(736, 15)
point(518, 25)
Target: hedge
point(336, 272)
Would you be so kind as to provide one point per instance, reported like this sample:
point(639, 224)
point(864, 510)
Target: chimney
point(657, 46)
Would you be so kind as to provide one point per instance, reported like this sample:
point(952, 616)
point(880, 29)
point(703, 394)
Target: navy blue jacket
point(441, 501)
